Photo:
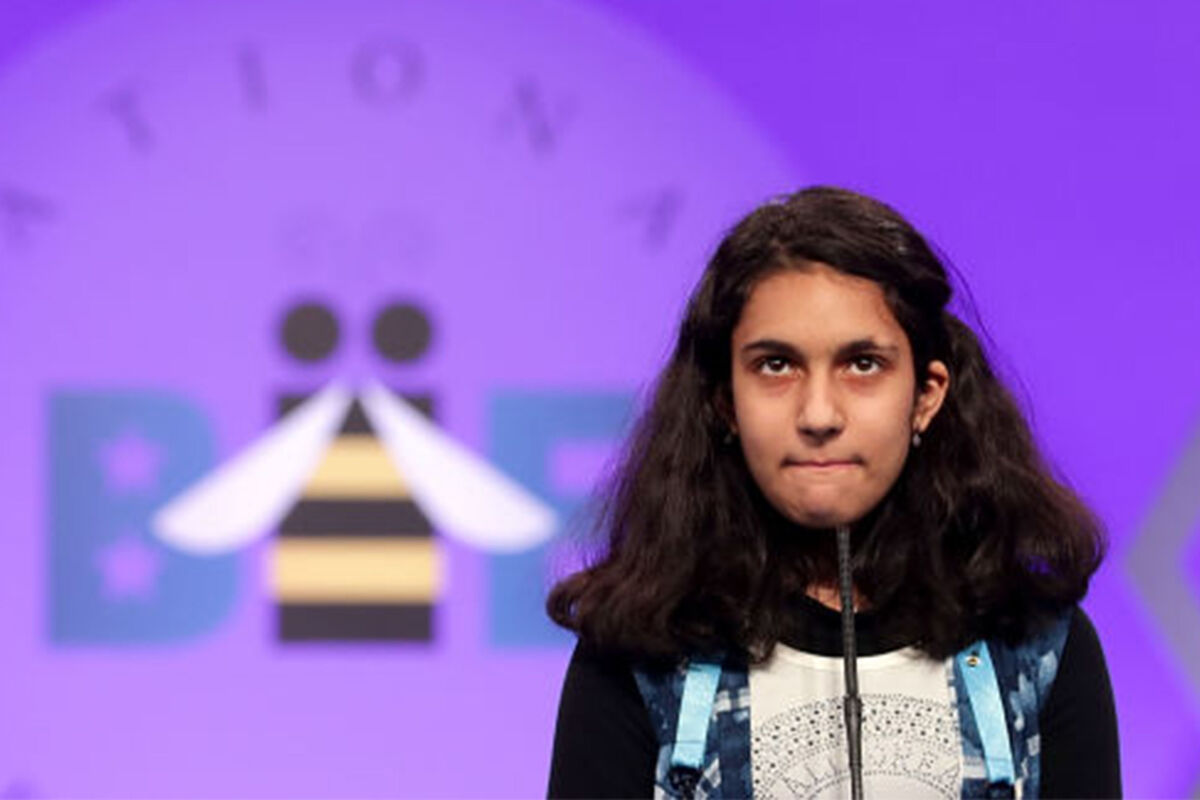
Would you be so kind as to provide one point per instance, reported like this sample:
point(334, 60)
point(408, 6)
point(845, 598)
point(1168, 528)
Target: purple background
point(1050, 151)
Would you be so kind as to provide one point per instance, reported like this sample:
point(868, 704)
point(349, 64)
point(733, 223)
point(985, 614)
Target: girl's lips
point(827, 465)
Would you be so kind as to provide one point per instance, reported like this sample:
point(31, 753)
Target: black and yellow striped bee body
point(356, 559)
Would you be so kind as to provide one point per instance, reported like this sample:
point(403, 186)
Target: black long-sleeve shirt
point(605, 747)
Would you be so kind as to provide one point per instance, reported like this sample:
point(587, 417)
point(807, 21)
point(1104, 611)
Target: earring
point(729, 437)
point(916, 440)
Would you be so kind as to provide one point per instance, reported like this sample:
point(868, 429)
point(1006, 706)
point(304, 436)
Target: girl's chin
point(820, 517)
point(820, 509)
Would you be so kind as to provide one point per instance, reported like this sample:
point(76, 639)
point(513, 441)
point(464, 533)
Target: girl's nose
point(819, 416)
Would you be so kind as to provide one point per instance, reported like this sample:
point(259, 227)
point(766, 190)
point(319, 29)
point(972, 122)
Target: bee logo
point(356, 479)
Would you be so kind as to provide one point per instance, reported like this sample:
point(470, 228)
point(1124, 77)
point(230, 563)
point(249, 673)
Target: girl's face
point(824, 398)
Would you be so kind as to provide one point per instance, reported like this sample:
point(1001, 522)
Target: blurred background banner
point(319, 321)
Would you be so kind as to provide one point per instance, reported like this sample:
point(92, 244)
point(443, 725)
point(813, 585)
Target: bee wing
point(243, 498)
point(463, 494)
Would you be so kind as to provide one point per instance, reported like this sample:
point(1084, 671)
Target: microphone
point(851, 703)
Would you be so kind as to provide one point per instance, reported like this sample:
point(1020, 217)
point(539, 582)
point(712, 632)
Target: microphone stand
point(852, 703)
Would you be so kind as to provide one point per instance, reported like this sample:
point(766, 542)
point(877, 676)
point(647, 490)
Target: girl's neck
point(830, 595)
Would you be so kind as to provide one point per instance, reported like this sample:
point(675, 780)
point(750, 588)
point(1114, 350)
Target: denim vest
point(1023, 676)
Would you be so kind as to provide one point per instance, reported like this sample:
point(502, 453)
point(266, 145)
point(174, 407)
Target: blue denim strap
point(695, 710)
point(983, 692)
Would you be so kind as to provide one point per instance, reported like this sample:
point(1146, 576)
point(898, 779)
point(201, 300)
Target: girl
point(819, 381)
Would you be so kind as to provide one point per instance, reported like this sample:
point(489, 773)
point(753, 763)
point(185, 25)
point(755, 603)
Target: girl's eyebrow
point(847, 350)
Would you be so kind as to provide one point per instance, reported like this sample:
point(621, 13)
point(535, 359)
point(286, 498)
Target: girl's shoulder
point(604, 745)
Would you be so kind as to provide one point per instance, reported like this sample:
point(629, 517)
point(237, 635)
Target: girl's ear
point(932, 394)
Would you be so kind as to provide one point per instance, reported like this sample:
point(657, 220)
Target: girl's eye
point(773, 365)
point(866, 365)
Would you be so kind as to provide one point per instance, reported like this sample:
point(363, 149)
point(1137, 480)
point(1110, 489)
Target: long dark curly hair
point(975, 538)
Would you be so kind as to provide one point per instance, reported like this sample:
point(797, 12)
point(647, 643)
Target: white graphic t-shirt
point(910, 735)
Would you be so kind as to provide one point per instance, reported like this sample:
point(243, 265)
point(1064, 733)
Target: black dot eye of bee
point(401, 332)
point(309, 331)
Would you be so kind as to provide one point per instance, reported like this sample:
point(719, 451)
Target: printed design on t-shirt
point(909, 744)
